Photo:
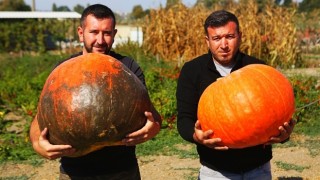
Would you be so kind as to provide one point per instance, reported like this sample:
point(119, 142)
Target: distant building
point(128, 33)
point(38, 15)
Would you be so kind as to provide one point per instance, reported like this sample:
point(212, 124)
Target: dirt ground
point(174, 168)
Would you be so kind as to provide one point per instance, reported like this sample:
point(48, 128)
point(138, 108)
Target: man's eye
point(216, 39)
point(94, 32)
point(230, 37)
point(107, 33)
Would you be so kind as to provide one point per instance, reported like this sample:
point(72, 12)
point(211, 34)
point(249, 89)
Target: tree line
point(138, 11)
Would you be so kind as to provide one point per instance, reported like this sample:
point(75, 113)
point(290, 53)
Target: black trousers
point(130, 174)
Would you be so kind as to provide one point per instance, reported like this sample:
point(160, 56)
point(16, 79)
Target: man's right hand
point(203, 137)
point(50, 151)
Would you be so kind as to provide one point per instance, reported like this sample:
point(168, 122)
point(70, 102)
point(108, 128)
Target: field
point(171, 38)
point(167, 156)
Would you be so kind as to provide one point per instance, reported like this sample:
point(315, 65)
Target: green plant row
point(22, 78)
point(34, 34)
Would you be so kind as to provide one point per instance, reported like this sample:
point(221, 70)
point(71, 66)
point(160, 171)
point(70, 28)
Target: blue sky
point(119, 6)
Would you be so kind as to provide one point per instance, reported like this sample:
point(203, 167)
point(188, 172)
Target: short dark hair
point(99, 11)
point(220, 18)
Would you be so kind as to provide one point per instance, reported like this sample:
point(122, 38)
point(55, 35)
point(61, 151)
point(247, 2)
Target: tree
point(207, 3)
point(16, 5)
point(277, 2)
point(309, 5)
point(78, 8)
point(54, 7)
point(287, 3)
point(284, 3)
point(171, 3)
point(137, 12)
point(60, 8)
point(210, 3)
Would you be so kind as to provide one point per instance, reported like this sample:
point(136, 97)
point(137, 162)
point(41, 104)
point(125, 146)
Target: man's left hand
point(285, 132)
point(147, 132)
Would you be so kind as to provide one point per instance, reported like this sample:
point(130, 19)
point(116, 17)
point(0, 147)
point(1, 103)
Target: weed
point(166, 143)
point(23, 177)
point(287, 166)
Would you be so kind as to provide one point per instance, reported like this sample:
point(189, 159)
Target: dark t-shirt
point(110, 159)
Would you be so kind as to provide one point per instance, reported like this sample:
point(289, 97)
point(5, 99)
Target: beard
point(89, 48)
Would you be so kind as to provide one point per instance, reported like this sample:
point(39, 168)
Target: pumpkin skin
point(92, 101)
point(247, 107)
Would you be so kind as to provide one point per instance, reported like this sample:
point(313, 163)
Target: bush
point(307, 98)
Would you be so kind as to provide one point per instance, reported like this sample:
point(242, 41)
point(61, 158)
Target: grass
point(308, 56)
point(311, 59)
point(23, 177)
point(167, 142)
point(310, 143)
point(288, 167)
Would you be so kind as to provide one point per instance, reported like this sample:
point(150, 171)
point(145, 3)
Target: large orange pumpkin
point(92, 101)
point(247, 107)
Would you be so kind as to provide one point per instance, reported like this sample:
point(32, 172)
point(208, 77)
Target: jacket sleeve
point(135, 68)
point(187, 102)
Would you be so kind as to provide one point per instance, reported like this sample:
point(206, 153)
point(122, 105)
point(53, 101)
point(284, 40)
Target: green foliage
point(161, 81)
point(162, 90)
point(16, 5)
point(23, 177)
point(78, 8)
point(20, 86)
point(167, 142)
point(15, 148)
point(307, 90)
point(309, 5)
point(287, 166)
point(137, 12)
point(37, 35)
point(133, 50)
point(22, 78)
point(60, 8)
point(171, 3)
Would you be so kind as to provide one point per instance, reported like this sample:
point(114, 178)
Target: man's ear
point(80, 33)
point(115, 32)
point(240, 36)
point(207, 40)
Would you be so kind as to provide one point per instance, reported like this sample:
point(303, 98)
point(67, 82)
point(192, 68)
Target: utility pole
point(33, 5)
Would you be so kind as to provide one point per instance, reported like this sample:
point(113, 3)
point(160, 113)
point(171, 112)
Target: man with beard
point(97, 32)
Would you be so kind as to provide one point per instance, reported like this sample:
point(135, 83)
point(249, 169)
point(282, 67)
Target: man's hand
point(147, 132)
point(49, 151)
point(202, 137)
point(285, 132)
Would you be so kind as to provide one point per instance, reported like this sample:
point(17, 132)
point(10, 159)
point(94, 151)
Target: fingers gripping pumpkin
point(92, 101)
point(247, 107)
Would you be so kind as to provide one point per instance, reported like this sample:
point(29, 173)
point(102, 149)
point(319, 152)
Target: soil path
point(174, 168)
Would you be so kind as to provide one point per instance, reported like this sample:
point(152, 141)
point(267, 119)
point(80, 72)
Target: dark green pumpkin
point(92, 101)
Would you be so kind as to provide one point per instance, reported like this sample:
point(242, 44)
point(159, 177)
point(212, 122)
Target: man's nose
point(100, 38)
point(224, 43)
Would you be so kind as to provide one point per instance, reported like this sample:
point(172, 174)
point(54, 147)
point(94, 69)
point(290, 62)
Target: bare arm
point(43, 147)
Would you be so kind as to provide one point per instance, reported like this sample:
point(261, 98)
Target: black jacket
point(195, 76)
